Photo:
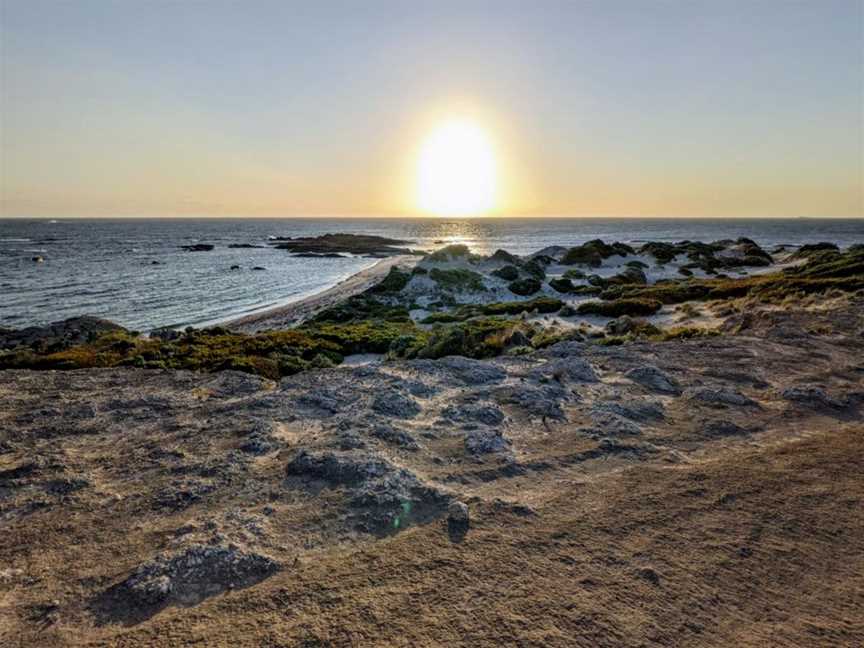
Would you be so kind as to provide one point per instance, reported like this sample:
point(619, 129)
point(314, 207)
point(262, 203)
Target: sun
point(456, 171)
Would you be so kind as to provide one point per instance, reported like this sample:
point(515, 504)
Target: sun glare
point(456, 171)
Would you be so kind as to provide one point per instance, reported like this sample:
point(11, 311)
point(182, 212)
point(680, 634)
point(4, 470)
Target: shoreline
point(293, 313)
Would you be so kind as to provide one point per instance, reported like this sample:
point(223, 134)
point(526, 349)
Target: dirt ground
point(692, 493)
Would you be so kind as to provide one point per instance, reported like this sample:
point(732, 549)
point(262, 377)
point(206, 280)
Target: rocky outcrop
point(382, 497)
point(654, 380)
point(184, 579)
point(365, 244)
point(197, 247)
point(720, 397)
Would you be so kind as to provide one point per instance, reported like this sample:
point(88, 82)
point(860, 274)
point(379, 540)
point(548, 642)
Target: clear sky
point(624, 108)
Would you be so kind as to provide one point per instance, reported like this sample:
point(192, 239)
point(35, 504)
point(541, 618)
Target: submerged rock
point(197, 247)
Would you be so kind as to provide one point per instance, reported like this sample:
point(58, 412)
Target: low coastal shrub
point(458, 279)
point(479, 338)
point(508, 273)
point(561, 285)
point(449, 252)
point(394, 282)
point(573, 273)
point(535, 268)
point(593, 252)
point(362, 308)
point(525, 287)
point(637, 307)
point(540, 304)
point(826, 270)
point(272, 354)
point(467, 311)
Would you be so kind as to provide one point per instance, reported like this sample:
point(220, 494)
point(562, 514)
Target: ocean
point(134, 272)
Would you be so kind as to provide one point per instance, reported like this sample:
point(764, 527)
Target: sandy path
point(291, 314)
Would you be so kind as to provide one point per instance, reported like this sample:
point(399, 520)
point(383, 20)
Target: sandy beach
point(291, 314)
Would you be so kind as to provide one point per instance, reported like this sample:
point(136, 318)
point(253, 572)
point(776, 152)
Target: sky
point(614, 108)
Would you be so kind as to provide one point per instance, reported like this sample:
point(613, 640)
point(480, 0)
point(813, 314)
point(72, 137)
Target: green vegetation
point(562, 285)
point(467, 311)
point(483, 338)
point(540, 304)
point(272, 354)
point(535, 269)
point(360, 308)
point(637, 307)
point(394, 282)
point(628, 276)
point(524, 287)
point(824, 271)
point(593, 252)
point(703, 255)
point(640, 330)
point(365, 324)
point(573, 273)
point(458, 279)
point(508, 273)
point(449, 252)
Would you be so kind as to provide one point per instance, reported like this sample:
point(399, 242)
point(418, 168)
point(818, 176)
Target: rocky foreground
point(589, 491)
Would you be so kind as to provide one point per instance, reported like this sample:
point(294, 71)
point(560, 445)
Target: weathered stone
point(720, 397)
point(457, 512)
point(392, 402)
point(655, 380)
point(480, 442)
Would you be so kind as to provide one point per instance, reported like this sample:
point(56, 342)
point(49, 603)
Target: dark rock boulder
point(197, 247)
